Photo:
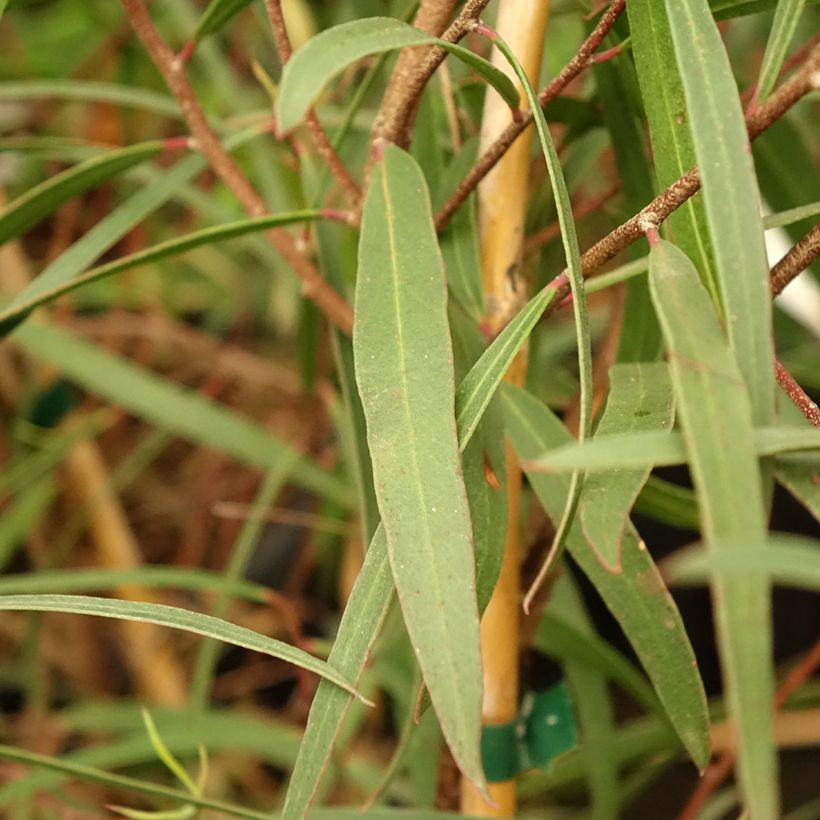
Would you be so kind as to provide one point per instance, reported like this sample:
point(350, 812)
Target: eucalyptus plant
point(514, 260)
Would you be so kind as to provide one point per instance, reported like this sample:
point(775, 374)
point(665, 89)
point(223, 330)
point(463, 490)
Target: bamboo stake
point(502, 202)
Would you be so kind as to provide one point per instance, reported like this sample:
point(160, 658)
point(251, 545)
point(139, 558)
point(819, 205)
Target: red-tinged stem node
point(186, 52)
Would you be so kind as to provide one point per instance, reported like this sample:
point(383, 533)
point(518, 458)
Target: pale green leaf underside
point(639, 399)
point(716, 417)
point(636, 595)
point(328, 53)
point(404, 370)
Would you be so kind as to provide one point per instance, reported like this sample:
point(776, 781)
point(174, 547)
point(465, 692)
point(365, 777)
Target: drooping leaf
point(802, 480)
point(640, 398)
point(716, 417)
point(580, 309)
point(175, 618)
point(21, 306)
point(786, 18)
point(44, 199)
point(637, 596)
point(730, 195)
point(404, 370)
point(170, 406)
point(328, 53)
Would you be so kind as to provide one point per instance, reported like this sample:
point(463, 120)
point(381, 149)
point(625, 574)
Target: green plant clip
point(543, 729)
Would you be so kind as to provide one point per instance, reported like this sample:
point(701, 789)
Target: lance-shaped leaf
point(640, 398)
point(23, 305)
point(175, 618)
point(783, 27)
point(637, 597)
point(370, 598)
point(655, 448)
point(730, 194)
point(44, 199)
point(716, 417)
point(665, 104)
point(218, 13)
point(327, 54)
point(404, 369)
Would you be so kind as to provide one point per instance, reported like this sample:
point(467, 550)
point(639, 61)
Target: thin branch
point(415, 67)
point(485, 163)
point(720, 770)
point(320, 139)
point(334, 307)
point(796, 393)
point(796, 260)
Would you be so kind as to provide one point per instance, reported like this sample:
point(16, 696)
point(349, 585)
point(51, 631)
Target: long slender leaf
point(730, 194)
point(218, 13)
point(640, 398)
point(324, 56)
point(802, 480)
point(788, 561)
point(637, 596)
point(673, 149)
point(156, 577)
point(44, 199)
point(784, 25)
point(716, 417)
point(580, 309)
point(92, 91)
point(656, 448)
point(404, 370)
point(172, 247)
point(171, 407)
point(175, 618)
point(370, 598)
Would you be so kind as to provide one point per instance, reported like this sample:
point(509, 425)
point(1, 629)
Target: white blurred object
point(801, 297)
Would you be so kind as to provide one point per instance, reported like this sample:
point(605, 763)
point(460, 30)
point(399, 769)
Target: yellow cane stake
point(502, 203)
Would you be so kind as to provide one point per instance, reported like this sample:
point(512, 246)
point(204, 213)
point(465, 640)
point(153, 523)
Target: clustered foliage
point(265, 362)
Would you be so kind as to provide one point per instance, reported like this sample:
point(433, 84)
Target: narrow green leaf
point(640, 398)
point(176, 618)
point(370, 598)
point(656, 448)
point(668, 503)
point(730, 194)
point(462, 259)
point(575, 275)
point(666, 112)
point(154, 577)
point(19, 517)
point(109, 230)
point(791, 216)
point(22, 306)
point(218, 13)
point(44, 199)
point(404, 369)
point(92, 91)
point(716, 417)
point(784, 25)
point(328, 53)
point(172, 407)
point(637, 596)
point(788, 561)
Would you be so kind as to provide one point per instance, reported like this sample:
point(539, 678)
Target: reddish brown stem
point(720, 770)
point(571, 70)
point(796, 260)
point(796, 393)
point(320, 139)
point(334, 307)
